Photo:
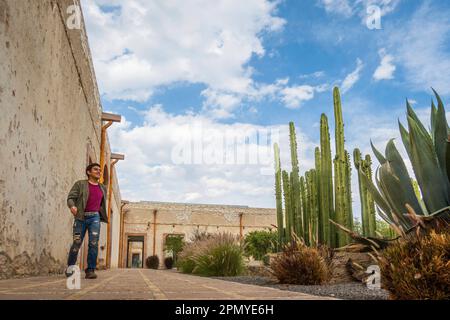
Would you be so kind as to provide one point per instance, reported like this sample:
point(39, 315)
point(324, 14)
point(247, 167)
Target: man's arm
point(74, 193)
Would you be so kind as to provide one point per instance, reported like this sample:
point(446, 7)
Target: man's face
point(95, 172)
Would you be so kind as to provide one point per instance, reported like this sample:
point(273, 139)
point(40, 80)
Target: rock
point(342, 273)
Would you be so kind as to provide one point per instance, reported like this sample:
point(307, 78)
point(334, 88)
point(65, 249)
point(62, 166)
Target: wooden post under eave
point(110, 117)
point(154, 231)
point(102, 148)
point(121, 233)
point(108, 234)
point(241, 227)
point(115, 157)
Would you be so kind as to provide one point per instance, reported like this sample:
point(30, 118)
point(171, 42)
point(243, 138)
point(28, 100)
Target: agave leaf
point(426, 168)
point(378, 154)
point(390, 185)
point(383, 215)
point(419, 124)
point(405, 138)
point(398, 168)
point(447, 160)
point(440, 137)
point(377, 197)
point(433, 119)
point(392, 191)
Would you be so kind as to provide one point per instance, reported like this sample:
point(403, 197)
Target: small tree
point(259, 243)
point(174, 244)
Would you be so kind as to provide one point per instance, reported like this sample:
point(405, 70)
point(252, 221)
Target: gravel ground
point(346, 291)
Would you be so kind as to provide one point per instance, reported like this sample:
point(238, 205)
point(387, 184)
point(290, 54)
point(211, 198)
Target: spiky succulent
point(429, 153)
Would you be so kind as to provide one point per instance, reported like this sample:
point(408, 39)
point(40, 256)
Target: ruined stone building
point(147, 224)
point(50, 130)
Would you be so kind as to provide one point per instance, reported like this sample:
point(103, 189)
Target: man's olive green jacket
point(79, 195)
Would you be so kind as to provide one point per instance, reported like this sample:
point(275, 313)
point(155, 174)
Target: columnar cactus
point(304, 202)
point(343, 213)
point(308, 200)
point(314, 209)
point(368, 219)
point(367, 168)
point(348, 200)
point(318, 221)
point(295, 195)
point(287, 205)
point(278, 195)
point(326, 183)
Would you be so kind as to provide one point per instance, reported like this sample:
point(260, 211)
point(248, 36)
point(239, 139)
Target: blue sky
point(229, 65)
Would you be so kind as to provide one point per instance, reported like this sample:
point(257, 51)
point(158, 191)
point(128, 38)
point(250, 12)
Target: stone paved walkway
point(141, 284)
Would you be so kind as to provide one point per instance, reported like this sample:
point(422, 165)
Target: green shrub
point(186, 265)
point(168, 262)
point(259, 243)
point(222, 260)
point(299, 264)
point(419, 268)
point(152, 262)
point(214, 255)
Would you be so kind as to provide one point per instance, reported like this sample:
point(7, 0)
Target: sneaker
point(67, 273)
point(90, 275)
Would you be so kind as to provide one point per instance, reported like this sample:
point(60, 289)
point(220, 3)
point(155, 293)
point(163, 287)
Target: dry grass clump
point(299, 264)
point(418, 268)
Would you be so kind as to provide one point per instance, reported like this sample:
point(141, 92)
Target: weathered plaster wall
point(176, 218)
point(49, 128)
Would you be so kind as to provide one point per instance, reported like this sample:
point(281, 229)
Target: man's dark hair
point(89, 167)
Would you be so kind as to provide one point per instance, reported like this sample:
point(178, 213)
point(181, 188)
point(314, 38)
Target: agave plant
point(399, 201)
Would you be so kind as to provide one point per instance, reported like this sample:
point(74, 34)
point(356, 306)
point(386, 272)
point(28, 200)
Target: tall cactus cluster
point(368, 217)
point(312, 200)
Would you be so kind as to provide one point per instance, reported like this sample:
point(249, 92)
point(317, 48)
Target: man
point(87, 203)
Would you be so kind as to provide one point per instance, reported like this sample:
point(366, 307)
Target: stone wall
point(49, 131)
point(185, 219)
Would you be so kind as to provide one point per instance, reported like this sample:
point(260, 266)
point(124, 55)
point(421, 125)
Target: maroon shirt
point(95, 198)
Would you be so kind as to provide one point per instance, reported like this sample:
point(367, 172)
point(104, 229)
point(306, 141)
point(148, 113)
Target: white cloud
point(386, 69)
point(145, 44)
point(294, 96)
point(421, 47)
point(220, 105)
point(151, 173)
point(342, 7)
point(351, 79)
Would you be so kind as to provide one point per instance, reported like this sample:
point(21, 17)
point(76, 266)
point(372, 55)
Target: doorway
point(135, 252)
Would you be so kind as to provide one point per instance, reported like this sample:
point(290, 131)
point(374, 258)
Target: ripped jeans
point(92, 225)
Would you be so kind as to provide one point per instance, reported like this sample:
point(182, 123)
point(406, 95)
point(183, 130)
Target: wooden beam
point(117, 156)
point(122, 212)
point(154, 231)
point(111, 117)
